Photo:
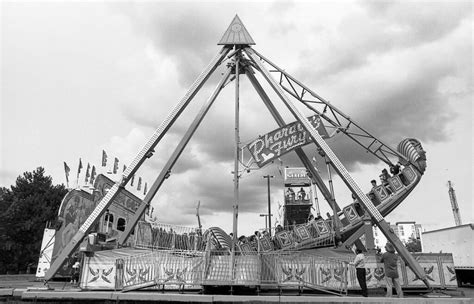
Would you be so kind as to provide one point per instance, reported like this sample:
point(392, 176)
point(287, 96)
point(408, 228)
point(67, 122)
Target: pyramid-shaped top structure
point(236, 34)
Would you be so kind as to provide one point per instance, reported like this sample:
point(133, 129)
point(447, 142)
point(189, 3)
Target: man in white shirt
point(359, 263)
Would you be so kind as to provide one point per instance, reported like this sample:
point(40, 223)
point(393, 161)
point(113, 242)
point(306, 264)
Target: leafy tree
point(413, 245)
point(24, 212)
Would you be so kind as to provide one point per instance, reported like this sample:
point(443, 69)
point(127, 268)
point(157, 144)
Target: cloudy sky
point(81, 77)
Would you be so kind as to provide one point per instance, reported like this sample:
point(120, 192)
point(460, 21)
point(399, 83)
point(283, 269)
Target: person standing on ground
point(75, 273)
point(390, 261)
point(359, 263)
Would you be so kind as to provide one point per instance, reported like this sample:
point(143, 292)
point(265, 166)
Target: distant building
point(404, 230)
point(458, 240)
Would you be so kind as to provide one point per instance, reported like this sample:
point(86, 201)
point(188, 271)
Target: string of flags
point(91, 173)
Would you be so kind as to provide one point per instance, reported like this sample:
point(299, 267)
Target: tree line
point(25, 209)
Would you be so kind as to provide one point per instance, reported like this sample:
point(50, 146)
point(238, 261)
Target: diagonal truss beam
point(341, 170)
point(299, 151)
point(144, 153)
point(340, 121)
point(172, 160)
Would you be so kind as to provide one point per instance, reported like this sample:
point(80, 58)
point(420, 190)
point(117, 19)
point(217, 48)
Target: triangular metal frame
point(236, 34)
point(244, 60)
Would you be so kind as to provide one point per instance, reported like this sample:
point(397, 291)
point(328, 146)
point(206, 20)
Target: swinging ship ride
point(121, 251)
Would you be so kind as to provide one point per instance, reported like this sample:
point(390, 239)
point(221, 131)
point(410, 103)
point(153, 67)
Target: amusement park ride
point(348, 223)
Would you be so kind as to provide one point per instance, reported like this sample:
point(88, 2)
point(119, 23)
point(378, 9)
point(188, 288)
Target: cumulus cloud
point(381, 64)
point(399, 69)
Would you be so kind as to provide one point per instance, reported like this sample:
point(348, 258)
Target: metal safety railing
point(175, 268)
point(190, 269)
point(166, 236)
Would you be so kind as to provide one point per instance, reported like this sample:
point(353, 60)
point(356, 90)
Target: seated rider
point(386, 174)
point(290, 194)
point(301, 194)
point(384, 181)
point(395, 169)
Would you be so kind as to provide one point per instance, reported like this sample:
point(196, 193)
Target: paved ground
point(24, 288)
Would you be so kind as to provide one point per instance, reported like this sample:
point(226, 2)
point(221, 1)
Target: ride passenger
point(290, 194)
point(301, 194)
point(374, 184)
point(278, 228)
point(384, 182)
point(395, 169)
point(357, 205)
point(373, 199)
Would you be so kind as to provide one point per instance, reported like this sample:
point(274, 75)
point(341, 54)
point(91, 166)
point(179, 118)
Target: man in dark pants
point(359, 263)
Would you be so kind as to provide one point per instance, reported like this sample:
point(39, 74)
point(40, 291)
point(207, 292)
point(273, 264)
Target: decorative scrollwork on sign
point(143, 273)
point(326, 274)
point(338, 274)
point(132, 274)
point(453, 272)
point(176, 274)
point(95, 275)
point(428, 271)
point(105, 274)
point(368, 274)
point(293, 273)
point(100, 273)
point(379, 273)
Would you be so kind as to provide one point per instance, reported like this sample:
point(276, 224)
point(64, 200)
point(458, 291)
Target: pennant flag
point(104, 158)
point(78, 172)
point(139, 186)
point(131, 181)
point(144, 190)
point(124, 168)
point(116, 161)
point(67, 170)
point(93, 175)
point(87, 173)
point(79, 168)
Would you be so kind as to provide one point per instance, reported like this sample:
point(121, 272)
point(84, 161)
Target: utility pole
point(265, 216)
point(454, 205)
point(269, 206)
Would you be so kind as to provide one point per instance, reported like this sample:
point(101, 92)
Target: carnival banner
point(278, 142)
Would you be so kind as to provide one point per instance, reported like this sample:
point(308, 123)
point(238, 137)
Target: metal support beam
point(148, 148)
point(237, 57)
point(341, 122)
point(172, 160)
point(299, 151)
point(369, 233)
point(342, 171)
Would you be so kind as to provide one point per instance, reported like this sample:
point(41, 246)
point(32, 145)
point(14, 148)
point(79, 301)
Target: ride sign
point(278, 142)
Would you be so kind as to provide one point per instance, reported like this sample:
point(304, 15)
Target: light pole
point(266, 223)
point(269, 206)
